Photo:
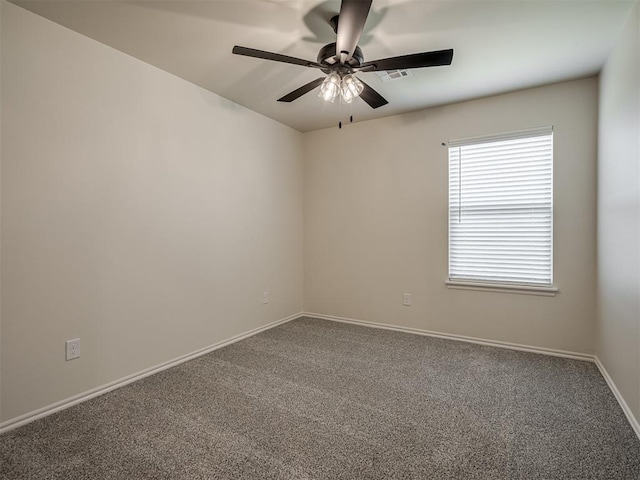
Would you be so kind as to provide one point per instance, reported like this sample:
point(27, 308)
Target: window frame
point(499, 286)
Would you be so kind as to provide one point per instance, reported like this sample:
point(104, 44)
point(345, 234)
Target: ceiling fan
point(342, 59)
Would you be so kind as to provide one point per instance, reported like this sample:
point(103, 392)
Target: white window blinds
point(501, 208)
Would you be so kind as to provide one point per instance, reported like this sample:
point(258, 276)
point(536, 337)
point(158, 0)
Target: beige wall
point(140, 213)
point(1, 10)
point(376, 220)
point(618, 327)
point(146, 216)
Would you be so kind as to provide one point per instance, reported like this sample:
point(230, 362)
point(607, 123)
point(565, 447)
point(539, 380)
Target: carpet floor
point(313, 399)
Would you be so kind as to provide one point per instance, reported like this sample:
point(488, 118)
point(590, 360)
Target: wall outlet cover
point(73, 348)
point(406, 299)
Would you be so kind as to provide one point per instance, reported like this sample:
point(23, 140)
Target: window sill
point(502, 288)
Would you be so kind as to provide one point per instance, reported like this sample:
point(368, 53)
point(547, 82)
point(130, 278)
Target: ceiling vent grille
point(390, 75)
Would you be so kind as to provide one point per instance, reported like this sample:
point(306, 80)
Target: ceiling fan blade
point(297, 93)
point(276, 57)
point(353, 15)
point(416, 60)
point(373, 98)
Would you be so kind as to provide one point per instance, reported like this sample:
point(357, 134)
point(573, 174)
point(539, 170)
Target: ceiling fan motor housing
point(327, 56)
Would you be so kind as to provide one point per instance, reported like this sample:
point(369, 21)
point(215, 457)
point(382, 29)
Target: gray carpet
point(314, 399)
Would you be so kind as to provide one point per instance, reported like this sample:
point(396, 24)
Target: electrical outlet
point(406, 299)
point(73, 348)
point(265, 297)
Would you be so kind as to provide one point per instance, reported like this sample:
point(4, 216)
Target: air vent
point(389, 75)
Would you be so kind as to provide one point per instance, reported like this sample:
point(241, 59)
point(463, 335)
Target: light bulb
point(330, 88)
point(351, 88)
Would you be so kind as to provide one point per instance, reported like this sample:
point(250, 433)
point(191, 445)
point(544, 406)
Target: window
point(501, 210)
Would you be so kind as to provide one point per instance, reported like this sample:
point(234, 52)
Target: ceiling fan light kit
point(348, 87)
point(340, 60)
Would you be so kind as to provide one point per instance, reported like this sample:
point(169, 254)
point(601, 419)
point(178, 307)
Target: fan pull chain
point(350, 113)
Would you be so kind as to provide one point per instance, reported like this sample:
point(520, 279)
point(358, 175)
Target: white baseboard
point(95, 392)
point(625, 408)
point(495, 343)
point(461, 338)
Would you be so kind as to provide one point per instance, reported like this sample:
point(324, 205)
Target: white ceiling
point(499, 46)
